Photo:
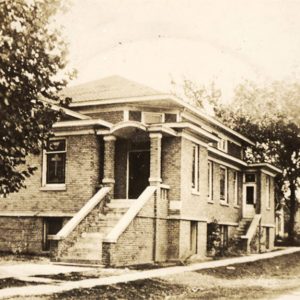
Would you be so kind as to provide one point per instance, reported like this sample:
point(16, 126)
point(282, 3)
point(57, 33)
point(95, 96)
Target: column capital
point(109, 138)
point(155, 180)
point(153, 135)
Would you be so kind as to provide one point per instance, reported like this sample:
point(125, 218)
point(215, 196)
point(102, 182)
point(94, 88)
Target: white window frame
point(268, 192)
point(210, 180)
point(225, 200)
point(223, 144)
point(196, 169)
point(235, 187)
point(54, 186)
point(145, 113)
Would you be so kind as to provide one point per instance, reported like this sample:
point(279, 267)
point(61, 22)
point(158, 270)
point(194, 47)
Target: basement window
point(51, 226)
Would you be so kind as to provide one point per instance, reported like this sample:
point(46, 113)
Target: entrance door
point(249, 200)
point(139, 172)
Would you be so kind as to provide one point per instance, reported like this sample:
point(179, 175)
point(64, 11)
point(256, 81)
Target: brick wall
point(21, 234)
point(268, 216)
point(173, 239)
point(135, 116)
point(171, 165)
point(202, 239)
point(136, 243)
point(82, 178)
point(193, 204)
point(89, 224)
point(109, 116)
point(224, 213)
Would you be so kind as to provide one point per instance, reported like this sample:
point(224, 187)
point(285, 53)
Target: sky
point(155, 41)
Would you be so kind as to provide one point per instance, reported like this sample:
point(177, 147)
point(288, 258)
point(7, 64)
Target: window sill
point(54, 187)
point(210, 202)
point(236, 206)
point(224, 203)
point(268, 208)
point(195, 193)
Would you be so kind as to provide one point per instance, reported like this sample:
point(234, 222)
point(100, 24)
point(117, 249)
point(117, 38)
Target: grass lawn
point(256, 280)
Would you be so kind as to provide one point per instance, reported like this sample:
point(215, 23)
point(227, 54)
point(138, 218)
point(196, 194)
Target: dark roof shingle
point(113, 87)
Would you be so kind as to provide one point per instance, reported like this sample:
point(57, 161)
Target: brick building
point(135, 176)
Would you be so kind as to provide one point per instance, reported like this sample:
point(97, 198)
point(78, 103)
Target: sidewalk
point(47, 289)
point(32, 269)
point(295, 295)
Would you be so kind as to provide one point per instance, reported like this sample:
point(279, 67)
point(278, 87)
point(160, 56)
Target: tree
point(268, 115)
point(32, 60)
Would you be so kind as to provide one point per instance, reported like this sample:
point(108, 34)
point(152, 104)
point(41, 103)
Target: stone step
point(93, 235)
point(116, 212)
point(88, 245)
point(74, 261)
point(120, 203)
point(108, 222)
point(78, 264)
point(112, 214)
point(85, 253)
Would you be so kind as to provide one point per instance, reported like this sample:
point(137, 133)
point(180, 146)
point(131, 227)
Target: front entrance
point(138, 172)
point(249, 202)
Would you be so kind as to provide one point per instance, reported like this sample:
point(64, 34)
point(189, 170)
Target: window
point(235, 188)
point(55, 162)
point(210, 181)
point(153, 118)
point(217, 237)
point(268, 199)
point(250, 177)
point(51, 226)
point(224, 236)
point(222, 145)
point(223, 184)
point(195, 168)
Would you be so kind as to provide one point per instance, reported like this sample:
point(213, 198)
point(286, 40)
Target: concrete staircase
point(88, 247)
point(242, 228)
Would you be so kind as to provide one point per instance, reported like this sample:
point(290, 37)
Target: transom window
point(195, 168)
point(55, 162)
point(223, 184)
point(250, 177)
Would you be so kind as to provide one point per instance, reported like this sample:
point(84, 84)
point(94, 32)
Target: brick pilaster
point(155, 158)
point(109, 161)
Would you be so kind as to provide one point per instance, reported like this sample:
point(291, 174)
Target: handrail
point(81, 214)
point(132, 212)
point(252, 228)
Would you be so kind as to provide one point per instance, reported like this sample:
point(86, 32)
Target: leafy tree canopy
point(32, 57)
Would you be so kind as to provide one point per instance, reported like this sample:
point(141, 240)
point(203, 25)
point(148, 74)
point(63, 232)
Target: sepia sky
point(152, 41)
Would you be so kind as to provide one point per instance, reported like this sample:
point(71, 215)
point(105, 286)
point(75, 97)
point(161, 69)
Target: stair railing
point(81, 214)
point(131, 213)
point(252, 230)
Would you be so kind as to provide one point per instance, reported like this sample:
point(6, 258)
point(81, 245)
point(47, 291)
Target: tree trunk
point(293, 210)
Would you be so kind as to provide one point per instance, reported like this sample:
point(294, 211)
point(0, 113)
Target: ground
point(255, 280)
